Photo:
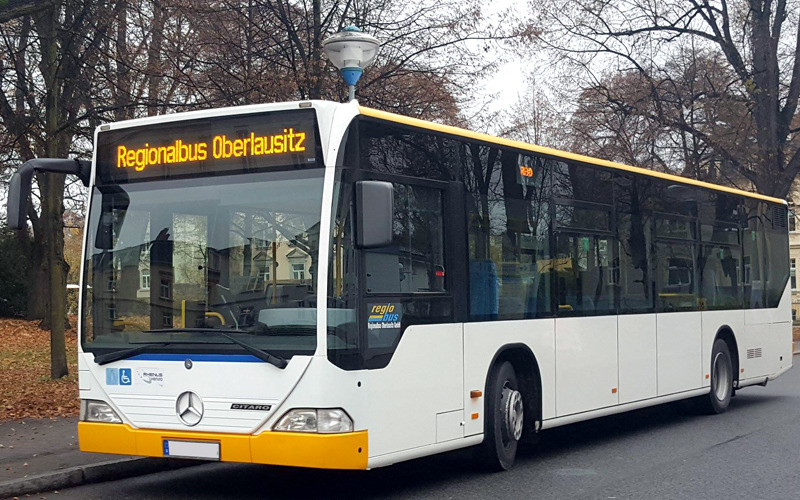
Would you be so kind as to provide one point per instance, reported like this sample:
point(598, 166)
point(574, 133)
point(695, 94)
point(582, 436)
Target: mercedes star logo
point(189, 408)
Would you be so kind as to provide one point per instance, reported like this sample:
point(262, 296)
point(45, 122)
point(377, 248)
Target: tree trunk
point(315, 87)
point(38, 282)
point(52, 194)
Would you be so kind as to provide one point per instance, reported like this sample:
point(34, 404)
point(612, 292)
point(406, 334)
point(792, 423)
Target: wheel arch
point(527, 370)
point(725, 333)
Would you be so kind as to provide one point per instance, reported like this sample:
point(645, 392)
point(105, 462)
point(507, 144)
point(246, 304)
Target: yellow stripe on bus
point(447, 129)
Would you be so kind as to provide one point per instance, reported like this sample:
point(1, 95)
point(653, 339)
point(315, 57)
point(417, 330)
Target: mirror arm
point(20, 186)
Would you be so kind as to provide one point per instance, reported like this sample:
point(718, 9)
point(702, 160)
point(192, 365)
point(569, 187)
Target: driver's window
point(414, 262)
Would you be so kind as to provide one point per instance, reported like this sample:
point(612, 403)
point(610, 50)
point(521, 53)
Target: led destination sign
point(221, 147)
point(209, 146)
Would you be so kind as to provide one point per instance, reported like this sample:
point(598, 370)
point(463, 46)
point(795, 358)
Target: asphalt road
point(752, 451)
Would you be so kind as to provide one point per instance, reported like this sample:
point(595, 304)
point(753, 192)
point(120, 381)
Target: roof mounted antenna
point(351, 50)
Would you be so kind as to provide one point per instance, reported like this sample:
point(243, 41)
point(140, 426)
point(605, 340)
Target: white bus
point(325, 285)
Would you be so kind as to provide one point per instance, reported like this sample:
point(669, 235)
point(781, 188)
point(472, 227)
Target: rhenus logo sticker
point(150, 376)
point(384, 315)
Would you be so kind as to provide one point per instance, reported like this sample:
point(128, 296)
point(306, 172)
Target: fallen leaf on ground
point(26, 389)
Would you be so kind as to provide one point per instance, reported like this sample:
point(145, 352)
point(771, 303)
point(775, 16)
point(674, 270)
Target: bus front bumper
point(294, 449)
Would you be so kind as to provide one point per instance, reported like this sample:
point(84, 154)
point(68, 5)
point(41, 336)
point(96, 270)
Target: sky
point(510, 81)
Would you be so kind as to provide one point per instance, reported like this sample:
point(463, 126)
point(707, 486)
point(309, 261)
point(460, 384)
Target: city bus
point(325, 285)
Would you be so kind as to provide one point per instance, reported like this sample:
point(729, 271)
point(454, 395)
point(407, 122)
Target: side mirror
point(19, 189)
point(375, 213)
point(114, 197)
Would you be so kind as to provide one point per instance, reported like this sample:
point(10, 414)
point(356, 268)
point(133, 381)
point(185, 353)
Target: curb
point(94, 473)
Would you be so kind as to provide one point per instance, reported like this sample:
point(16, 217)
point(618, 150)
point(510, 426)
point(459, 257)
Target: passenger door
point(412, 343)
point(586, 332)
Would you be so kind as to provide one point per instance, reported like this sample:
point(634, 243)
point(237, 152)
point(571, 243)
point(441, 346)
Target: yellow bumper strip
point(294, 449)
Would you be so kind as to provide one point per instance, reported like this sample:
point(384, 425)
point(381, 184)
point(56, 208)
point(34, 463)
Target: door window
point(414, 262)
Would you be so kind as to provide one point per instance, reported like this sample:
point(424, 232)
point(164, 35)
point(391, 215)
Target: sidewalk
point(43, 455)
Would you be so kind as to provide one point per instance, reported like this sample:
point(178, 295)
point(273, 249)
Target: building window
point(793, 272)
point(263, 275)
point(792, 221)
point(112, 312)
point(794, 314)
point(166, 320)
point(166, 291)
point(144, 279)
point(298, 271)
point(145, 255)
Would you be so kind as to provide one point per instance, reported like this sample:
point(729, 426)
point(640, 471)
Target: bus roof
point(446, 129)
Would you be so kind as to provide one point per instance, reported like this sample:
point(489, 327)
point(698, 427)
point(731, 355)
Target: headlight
point(323, 421)
point(98, 411)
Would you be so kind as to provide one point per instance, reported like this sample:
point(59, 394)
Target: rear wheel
point(719, 398)
point(504, 418)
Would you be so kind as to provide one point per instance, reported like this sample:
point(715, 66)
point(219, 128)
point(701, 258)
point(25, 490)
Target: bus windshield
point(234, 253)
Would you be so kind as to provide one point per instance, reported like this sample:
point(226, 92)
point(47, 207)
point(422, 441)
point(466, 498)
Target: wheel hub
point(513, 414)
point(720, 378)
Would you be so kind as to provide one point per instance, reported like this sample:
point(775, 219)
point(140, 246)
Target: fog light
point(324, 421)
point(93, 410)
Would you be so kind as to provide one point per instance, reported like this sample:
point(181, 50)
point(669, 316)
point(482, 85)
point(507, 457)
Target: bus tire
point(719, 397)
point(504, 418)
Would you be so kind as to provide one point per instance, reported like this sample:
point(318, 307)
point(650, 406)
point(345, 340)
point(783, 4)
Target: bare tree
point(69, 65)
point(755, 41)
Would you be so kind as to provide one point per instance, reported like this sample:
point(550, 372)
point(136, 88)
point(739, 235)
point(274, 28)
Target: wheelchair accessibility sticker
point(119, 376)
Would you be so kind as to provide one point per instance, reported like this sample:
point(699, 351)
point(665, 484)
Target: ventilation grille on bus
point(779, 217)
point(754, 353)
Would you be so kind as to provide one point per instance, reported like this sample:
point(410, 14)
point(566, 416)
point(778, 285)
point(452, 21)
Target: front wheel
point(504, 418)
point(719, 398)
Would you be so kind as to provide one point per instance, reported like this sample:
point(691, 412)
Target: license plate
point(191, 449)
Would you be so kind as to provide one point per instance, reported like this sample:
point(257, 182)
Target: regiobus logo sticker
point(384, 316)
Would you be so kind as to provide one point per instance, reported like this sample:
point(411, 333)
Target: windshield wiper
point(110, 357)
point(255, 351)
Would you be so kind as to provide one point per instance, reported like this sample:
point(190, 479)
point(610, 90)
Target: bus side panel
point(483, 340)
point(767, 339)
point(712, 321)
point(679, 352)
point(637, 357)
point(781, 351)
point(780, 343)
point(412, 401)
point(586, 364)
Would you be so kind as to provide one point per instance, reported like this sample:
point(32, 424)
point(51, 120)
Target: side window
point(676, 263)
point(414, 262)
point(719, 277)
point(676, 281)
point(585, 274)
point(392, 149)
point(777, 253)
point(720, 259)
point(585, 264)
point(754, 244)
point(509, 245)
point(635, 230)
point(581, 183)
